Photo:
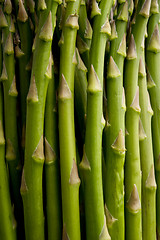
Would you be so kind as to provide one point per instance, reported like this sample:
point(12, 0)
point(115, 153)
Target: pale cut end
point(104, 235)
point(135, 103)
point(134, 204)
point(82, 45)
point(154, 42)
point(81, 65)
point(149, 110)
point(72, 21)
point(119, 144)
point(50, 155)
point(95, 9)
point(64, 90)
point(145, 10)
point(154, 7)
point(65, 235)
point(4, 75)
point(131, 7)
point(61, 40)
point(123, 100)
point(106, 27)
point(84, 164)
point(151, 182)
point(13, 89)
point(114, 34)
point(7, 6)
point(94, 84)
point(123, 15)
point(132, 53)
point(42, 5)
point(3, 21)
point(22, 15)
point(38, 154)
point(74, 178)
point(88, 30)
point(48, 72)
point(142, 69)
point(33, 93)
point(122, 47)
point(2, 140)
point(109, 218)
point(10, 152)
point(113, 70)
point(8, 49)
point(24, 188)
point(46, 33)
point(142, 134)
point(150, 82)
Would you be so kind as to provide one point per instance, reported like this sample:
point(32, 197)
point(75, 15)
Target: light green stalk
point(10, 113)
point(69, 175)
point(132, 164)
point(52, 171)
point(146, 155)
point(31, 186)
point(7, 222)
point(115, 128)
point(153, 75)
point(91, 164)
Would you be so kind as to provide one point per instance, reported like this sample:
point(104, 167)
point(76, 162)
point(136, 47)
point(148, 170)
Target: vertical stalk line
point(52, 168)
point(91, 164)
point(7, 221)
point(152, 61)
point(146, 156)
point(31, 185)
point(115, 129)
point(69, 174)
point(132, 164)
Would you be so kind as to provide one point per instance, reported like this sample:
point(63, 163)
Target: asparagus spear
point(146, 156)
point(152, 60)
point(115, 128)
point(69, 175)
point(31, 186)
point(132, 164)
point(92, 159)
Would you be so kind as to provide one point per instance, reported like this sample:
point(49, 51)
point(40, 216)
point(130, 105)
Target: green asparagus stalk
point(115, 127)
point(69, 175)
point(152, 61)
point(31, 186)
point(10, 113)
point(132, 164)
point(91, 164)
point(7, 221)
point(146, 156)
point(52, 171)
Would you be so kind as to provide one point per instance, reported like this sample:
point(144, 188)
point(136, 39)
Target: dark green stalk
point(115, 128)
point(146, 155)
point(52, 171)
point(69, 175)
point(132, 164)
point(91, 164)
point(31, 186)
point(152, 60)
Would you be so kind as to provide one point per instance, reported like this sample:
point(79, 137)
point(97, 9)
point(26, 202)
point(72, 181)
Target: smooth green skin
point(147, 161)
point(7, 231)
point(94, 205)
point(11, 132)
point(70, 193)
point(52, 169)
point(132, 164)
point(114, 190)
point(152, 61)
point(33, 197)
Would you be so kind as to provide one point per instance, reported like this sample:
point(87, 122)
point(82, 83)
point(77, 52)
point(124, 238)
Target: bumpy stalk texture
point(132, 165)
point(31, 186)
